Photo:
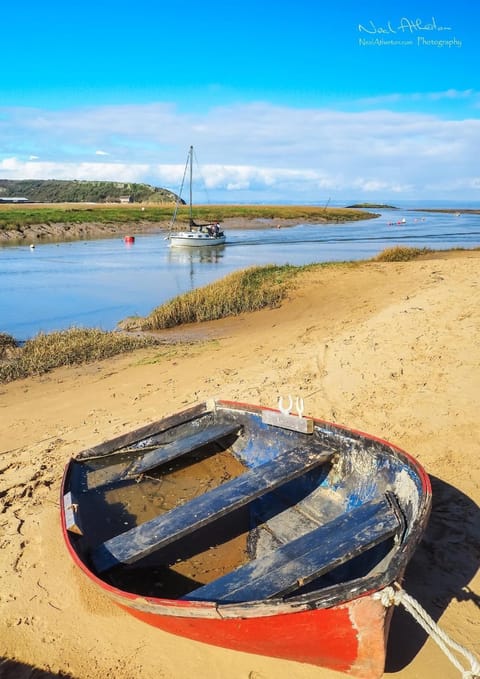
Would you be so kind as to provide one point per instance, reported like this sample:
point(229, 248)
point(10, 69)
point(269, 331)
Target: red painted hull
point(350, 638)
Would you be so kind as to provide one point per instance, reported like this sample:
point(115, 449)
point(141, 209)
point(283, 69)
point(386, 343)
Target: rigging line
point(204, 184)
point(179, 198)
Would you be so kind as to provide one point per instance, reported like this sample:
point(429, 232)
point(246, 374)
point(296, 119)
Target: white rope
point(390, 597)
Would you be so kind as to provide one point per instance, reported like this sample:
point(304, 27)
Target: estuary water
point(97, 283)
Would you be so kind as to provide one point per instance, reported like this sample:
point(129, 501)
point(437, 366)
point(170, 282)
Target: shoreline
point(66, 231)
point(52, 232)
point(387, 348)
point(63, 232)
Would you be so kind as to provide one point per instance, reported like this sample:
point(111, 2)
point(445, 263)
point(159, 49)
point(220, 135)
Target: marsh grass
point(67, 347)
point(6, 342)
point(302, 213)
point(17, 217)
point(399, 253)
point(240, 292)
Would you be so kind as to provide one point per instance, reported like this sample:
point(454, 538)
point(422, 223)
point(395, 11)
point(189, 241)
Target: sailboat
point(198, 234)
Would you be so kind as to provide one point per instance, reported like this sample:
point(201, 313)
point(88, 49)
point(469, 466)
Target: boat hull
point(193, 239)
point(350, 638)
point(338, 624)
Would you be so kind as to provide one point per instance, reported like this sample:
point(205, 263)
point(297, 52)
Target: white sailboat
point(208, 234)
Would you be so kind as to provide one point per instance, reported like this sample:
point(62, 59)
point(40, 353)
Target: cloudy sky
point(302, 102)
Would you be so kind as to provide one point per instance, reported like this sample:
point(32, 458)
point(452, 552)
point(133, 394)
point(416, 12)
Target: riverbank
point(72, 221)
point(64, 232)
point(388, 348)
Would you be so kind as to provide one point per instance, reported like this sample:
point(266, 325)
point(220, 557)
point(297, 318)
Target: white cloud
point(397, 97)
point(251, 152)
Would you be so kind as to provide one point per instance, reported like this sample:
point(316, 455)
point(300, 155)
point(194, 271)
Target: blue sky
point(283, 101)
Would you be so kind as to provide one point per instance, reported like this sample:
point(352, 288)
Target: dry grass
point(68, 347)
point(240, 292)
point(8, 345)
point(400, 254)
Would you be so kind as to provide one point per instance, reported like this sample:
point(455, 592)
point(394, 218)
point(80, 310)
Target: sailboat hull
point(195, 239)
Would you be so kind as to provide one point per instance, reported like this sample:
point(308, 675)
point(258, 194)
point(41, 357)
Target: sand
point(390, 349)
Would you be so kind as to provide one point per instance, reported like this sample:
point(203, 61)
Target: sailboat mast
point(191, 175)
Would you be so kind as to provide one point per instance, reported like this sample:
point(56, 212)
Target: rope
point(179, 197)
point(393, 597)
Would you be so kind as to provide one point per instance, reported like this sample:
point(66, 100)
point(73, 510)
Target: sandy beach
point(392, 349)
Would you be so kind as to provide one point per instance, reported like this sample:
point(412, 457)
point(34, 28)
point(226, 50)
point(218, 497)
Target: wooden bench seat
point(178, 448)
point(299, 562)
point(167, 452)
point(152, 535)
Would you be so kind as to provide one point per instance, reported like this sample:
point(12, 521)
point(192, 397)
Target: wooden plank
point(304, 425)
point(150, 459)
point(178, 448)
point(140, 541)
point(299, 562)
point(145, 432)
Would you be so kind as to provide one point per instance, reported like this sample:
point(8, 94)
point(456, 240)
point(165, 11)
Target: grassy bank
point(240, 292)
point(20, 217)
point(252, 289)
point(69, 347)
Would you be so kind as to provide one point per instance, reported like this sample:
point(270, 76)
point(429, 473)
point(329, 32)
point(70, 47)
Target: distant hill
point(77, 191)
point(374, 206)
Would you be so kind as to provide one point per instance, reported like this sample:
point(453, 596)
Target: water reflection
point(211, 254)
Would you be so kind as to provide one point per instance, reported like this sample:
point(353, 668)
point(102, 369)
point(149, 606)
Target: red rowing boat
point(252, 529)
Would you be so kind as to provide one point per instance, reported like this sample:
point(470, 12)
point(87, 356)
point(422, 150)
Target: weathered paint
point(371, 620)
point(319, 637)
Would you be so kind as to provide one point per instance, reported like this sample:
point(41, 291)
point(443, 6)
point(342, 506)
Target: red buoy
point(129, 239)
